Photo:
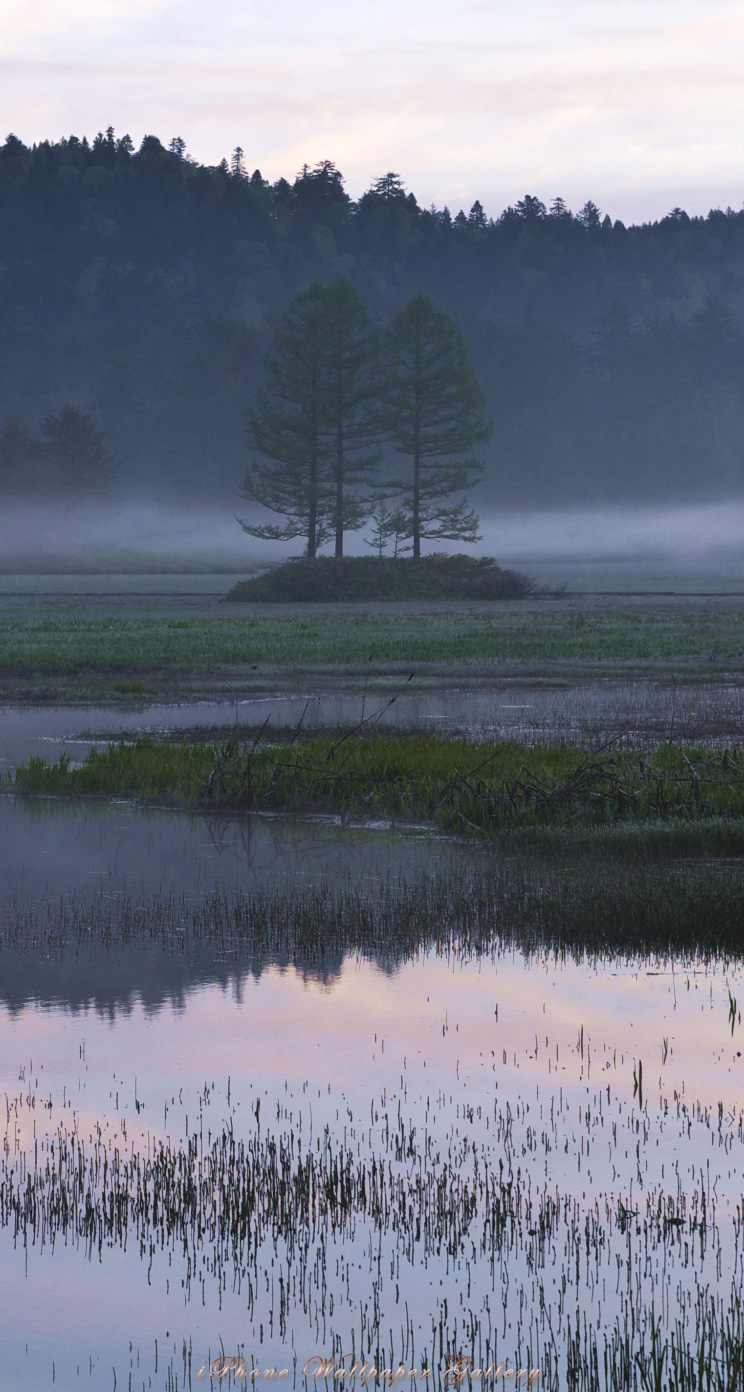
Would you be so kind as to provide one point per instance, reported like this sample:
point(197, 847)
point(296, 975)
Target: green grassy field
point(137, 645)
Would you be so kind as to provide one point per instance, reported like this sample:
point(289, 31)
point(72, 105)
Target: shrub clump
point(384, 578)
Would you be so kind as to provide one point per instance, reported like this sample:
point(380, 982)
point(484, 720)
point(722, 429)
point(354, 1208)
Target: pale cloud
point(631, 104)
point(44, 22)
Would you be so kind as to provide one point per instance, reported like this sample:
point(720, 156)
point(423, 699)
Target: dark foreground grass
point(251, 1207)
point(487, 788)
point(471, 1204)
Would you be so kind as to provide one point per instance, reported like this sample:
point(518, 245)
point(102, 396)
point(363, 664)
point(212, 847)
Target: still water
point(582, 712)
point(403, 1156)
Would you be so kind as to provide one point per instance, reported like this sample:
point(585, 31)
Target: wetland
point(297, 1075)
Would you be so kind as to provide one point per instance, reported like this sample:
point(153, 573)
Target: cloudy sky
point(638, 104)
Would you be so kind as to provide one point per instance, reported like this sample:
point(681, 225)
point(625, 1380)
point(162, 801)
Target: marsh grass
point(316, 1229)
point(214, 650)
point(689, 913)
point(291, 1206)
point(484, 788)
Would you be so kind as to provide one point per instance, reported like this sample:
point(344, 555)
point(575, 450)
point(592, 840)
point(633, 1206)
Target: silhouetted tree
point(530, 208)
point(477, 217)
point(350, 414)
point(287, 426)
point(318, 419)
point(389, 524)
point(78, 462)
point(318, 195)
point(389, 188)
point(434, 409)
point(237, 164)
point(19, 460)
point(589, 216)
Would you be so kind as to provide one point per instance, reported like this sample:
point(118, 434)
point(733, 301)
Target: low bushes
point(372, 578)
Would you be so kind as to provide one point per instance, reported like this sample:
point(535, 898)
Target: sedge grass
point(291, 1204)
point(689, 913)
point(484, 788)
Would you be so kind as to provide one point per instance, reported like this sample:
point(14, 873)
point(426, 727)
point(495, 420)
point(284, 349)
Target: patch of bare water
point(638, 714)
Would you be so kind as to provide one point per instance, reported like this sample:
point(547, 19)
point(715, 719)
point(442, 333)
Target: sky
point(636, 104)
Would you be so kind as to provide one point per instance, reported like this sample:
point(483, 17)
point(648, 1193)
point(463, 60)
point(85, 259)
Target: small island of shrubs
point(374, 579)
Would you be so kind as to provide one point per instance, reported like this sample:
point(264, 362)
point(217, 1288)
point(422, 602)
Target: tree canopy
point(314, 424)
point(151, 285)
point(434, 414)
point(332, 398)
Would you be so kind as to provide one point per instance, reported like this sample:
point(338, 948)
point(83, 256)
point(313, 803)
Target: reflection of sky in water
point(419, 1047)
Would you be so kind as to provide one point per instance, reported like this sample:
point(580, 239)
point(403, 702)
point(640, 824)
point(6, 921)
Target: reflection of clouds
point(432, 1023)
point(483, 1058)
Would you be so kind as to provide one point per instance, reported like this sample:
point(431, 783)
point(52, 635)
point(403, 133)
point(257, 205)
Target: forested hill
point(144, 287)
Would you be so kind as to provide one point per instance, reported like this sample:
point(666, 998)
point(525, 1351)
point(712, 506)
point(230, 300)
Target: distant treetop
point(319, 185)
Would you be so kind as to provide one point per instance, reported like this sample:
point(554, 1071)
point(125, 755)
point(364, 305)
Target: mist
point(157, 536)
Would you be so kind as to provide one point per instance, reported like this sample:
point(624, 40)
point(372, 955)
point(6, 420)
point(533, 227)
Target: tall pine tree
point(287, 427)
point(434, 411)
point(350, 361)
point(314, 423)
point(79, 465)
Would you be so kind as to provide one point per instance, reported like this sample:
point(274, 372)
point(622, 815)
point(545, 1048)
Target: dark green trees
point(434, 415)
point(350, 359)
point(285, 428)
point(330, 401)
point(19, 460)
point(313, 422)
point(69, 461)
point(77, 461)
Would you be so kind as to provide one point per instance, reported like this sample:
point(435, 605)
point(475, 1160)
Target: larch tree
point(78, 462)
point(352, 413)
point(19, 460)
point(316, 421)
point(287, 427)
point(434, 415)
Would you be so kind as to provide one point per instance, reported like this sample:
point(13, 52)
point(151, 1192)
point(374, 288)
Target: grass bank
point(486, 788)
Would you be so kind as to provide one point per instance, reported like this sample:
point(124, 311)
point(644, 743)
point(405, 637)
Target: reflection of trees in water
point(107, 952)
point(112, 976)
point(296, 843)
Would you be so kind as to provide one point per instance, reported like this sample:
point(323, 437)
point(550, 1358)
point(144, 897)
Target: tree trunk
point(416, 510)
point(416, 504)
point(312, 523)
point(339, 492)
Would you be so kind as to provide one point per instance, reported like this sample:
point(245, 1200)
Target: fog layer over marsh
point(154, 535)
